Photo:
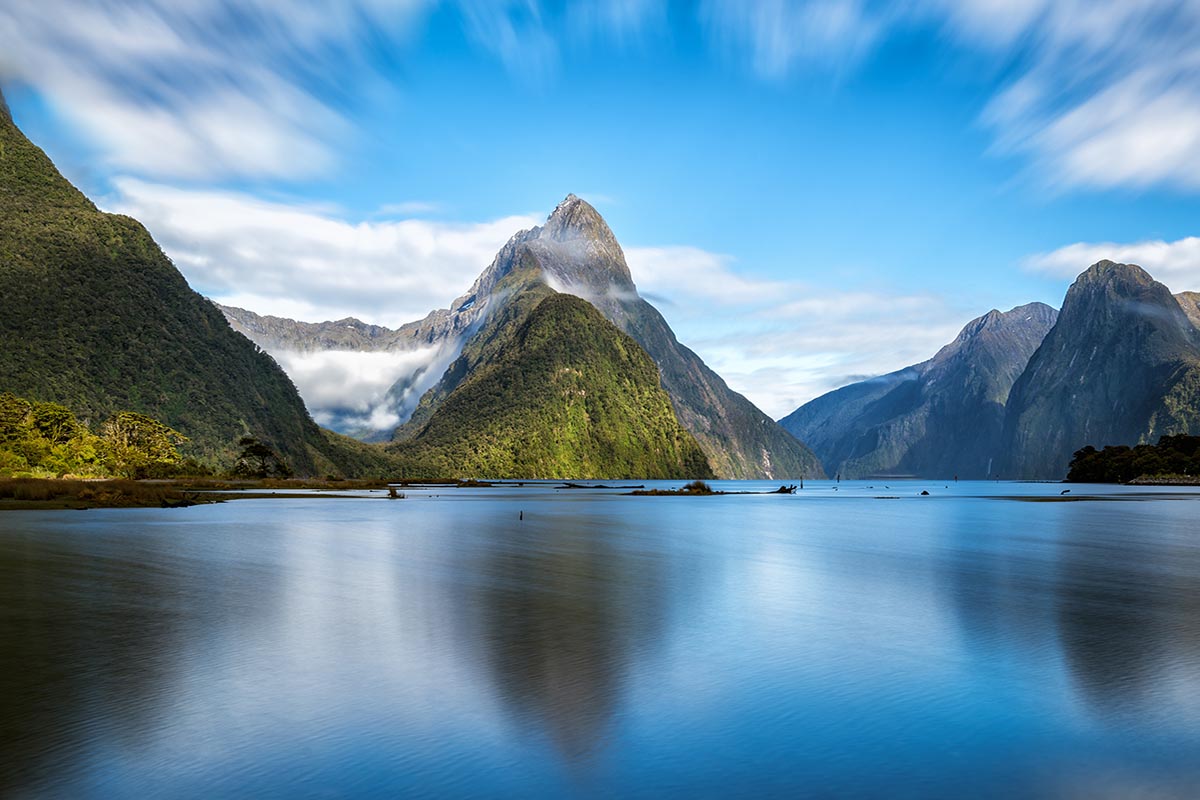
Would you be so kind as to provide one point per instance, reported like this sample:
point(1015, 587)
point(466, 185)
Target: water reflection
point(602, 647)
point(82, 646)
point(1129, 619)
point(559, 614)
point(1102, 595)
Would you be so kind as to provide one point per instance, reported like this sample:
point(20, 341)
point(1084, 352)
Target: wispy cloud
point(1107, 94)
point(690, 274)
point(1176, 264)
point(529, 37)
point(1103, 93)
point(203, 89)
point(779, 36)
point(782, 343)
point(308, 263)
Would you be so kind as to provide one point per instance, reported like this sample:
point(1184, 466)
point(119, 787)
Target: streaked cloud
point(308, 263)
point(203, 89)
point(1103, 94)
point(1176, 264)
point(779, 36)
point(1106, 95)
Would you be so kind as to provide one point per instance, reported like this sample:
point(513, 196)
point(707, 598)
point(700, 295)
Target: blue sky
point(810, 191)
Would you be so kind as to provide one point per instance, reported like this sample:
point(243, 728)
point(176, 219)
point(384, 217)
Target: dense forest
point(46, 440)
point(96, 318)
point(557, 393)
point(1173, 457)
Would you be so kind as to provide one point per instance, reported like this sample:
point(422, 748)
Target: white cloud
point(1176, 264)
point(1103, 93)
point(690, 274)
point(200, 89)
point(782, 343)
point(343, 384)
point(307, 263)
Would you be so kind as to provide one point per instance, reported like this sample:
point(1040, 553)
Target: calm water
point(827, 644)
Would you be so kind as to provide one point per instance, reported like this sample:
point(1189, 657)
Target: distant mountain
point(95, 317)
point(279, 333)
point(1120, 366)
point(940, 418)
point(370, 399)
point(551, 389)
point(575, 252)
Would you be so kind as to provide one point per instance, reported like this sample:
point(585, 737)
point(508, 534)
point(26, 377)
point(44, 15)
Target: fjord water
point(828, 643)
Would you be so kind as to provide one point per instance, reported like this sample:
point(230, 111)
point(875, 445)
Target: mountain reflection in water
point(810, 645)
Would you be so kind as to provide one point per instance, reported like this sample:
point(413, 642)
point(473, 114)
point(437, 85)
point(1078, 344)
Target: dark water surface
point(827, 644)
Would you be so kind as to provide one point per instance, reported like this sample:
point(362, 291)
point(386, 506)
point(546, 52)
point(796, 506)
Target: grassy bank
point(66, 493)
point(43, 493)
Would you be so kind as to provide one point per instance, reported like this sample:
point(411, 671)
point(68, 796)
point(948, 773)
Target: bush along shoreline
point(1173, 461)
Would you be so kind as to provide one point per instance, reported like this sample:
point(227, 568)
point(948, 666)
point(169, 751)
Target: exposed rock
point(1120, 366)
point(1190, 303)
point(940, 418)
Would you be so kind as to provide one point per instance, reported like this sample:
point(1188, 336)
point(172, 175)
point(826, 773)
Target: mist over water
point(823, 644)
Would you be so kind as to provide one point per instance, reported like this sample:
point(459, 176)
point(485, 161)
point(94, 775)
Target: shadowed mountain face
point(575, 252)
point(95, 317)
point(939, 418)
point(1120, 366)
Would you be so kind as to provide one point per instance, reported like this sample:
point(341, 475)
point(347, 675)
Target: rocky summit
point(1120, 366)
point(575, 252)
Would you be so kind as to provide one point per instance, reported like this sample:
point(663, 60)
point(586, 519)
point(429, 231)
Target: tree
point(14, 416)
point(55, 423)
point(139, 446)
point(257, 460)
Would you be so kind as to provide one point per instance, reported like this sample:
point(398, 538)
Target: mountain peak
point(5, 114)
point(1038, 315)
point(577, 251)
point(1110, 273)
point(575, 218)
point(1107, 288)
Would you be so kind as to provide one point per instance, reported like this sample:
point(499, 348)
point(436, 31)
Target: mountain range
point(553, 365)
point(515, 379)
point(574, 252)
point(1121, 366)
point(942, 417)
point(1016, 393)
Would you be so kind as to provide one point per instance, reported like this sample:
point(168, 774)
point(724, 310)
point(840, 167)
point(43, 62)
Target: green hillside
point(551, 389)
point(97, 318)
